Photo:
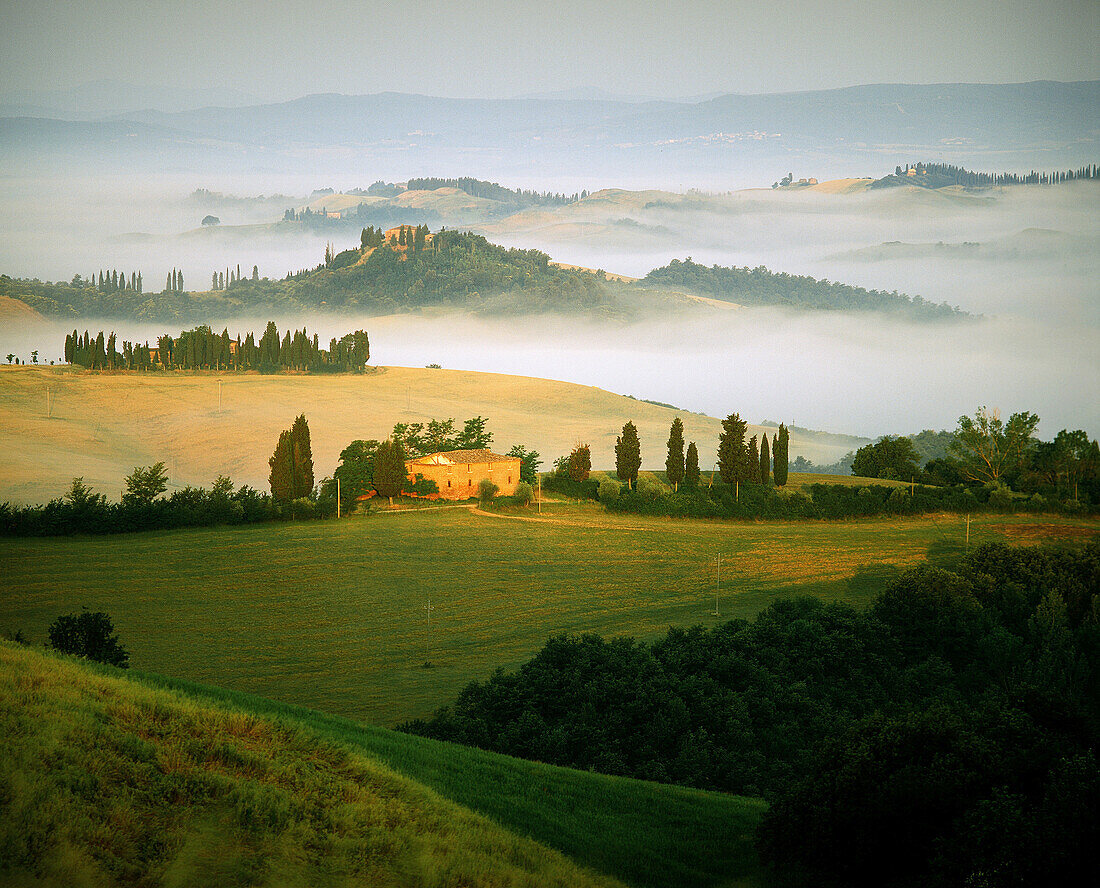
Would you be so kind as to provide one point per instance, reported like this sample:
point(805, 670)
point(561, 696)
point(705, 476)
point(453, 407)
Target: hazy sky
point(279, 50)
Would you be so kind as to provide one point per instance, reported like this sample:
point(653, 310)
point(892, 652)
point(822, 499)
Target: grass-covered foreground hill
point(113, 779)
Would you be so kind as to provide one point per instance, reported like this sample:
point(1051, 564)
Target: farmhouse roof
point(459, 457)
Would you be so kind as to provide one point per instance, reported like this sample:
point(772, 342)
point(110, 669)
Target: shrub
point(487, 490)
point(303, 507)
point(88, 635)
point(1000, 497)
point(609, 490)
point(422, 486)
point(524, 494)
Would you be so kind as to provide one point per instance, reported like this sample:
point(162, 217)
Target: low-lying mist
point(1027, 258)
point(840, 372)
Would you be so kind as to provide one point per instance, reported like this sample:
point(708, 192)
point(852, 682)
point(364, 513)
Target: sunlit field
point(333, 615)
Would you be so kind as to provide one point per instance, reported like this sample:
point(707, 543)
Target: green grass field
point(331, 615)
point(133, 778)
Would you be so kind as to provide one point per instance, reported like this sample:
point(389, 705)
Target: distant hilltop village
point(788, 182)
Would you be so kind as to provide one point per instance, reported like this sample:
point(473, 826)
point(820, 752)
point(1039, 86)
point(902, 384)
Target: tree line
point(945, 735)
point(940, 175)
point(142, 507)
point(384, 216)
point(493, 191)
point(739, 462)
point(990, 464)
point(203, 349)
point(987, 449)
point(112, 281)
point(759, 286)
point(228, 279)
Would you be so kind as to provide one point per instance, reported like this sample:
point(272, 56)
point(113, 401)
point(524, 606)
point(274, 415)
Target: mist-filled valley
point(1025, 259)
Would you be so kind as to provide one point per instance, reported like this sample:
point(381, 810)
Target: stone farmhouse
point(458, 473)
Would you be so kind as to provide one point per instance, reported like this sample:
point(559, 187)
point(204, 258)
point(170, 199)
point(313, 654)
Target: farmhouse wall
point(460, 480)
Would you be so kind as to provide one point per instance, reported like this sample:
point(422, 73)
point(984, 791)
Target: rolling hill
point(462, 273)
point(114, 778)
point(104, 425)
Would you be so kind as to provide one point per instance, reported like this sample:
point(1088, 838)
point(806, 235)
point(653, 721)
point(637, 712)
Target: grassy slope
point(161, 738)
point(330, 615)
point(647, 834)
point(104, 425)
point(106, 781)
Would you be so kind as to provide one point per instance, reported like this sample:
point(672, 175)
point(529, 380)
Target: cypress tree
point(390, 473)
point(752, 465)
point(674, 462)
point(628, 455)
point(580, 463)
point(779, 456)
point(302, 452)
point(765, 461)
point(691, 466)
point(281, 478)
point(732, 455)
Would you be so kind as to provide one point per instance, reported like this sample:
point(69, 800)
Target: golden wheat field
point(205, 424)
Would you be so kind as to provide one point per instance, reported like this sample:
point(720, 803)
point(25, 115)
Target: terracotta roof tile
point(461, 457)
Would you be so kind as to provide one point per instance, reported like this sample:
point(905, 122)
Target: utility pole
point(717, 581)
point(49, 406)
point(428, 635)
point(219, 396)
point(539, 496)
point(337, 497)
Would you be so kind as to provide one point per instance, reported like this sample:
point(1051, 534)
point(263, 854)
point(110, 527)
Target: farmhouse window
point(470, 483)
point(509, 479)
point(448, 482)
point(469, 467)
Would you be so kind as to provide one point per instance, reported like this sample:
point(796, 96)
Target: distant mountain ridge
point(741, 139)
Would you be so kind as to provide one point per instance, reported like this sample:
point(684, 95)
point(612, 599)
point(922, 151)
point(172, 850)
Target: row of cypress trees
point(116, 281)
point(738, 461)
point(202, 348)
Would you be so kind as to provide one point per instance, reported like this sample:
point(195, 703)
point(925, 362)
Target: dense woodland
point(943, 175)
point(761, 287)
point(947, 735)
